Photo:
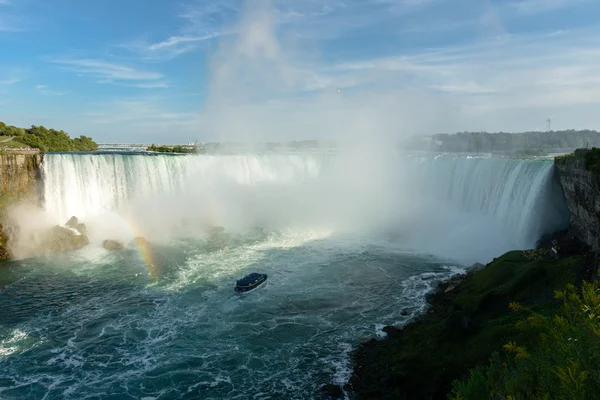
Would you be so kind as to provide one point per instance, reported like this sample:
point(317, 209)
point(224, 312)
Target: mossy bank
point(468, 319)
point(20, 177)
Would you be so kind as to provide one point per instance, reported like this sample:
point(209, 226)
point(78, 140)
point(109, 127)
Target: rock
point(75, 224)
point(475, 267)
point(63, 239)
point(581, 190)
point(72, 222)
point(333, 390)
point(213, 230)
point(139, 242)
point(113, 245)
point(392, 331)
point(450, 288)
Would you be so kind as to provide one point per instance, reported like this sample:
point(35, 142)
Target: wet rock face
point(113, 245)
point(333, 391)
point(19, 178)
point(61, 239)
point(75, 224)
point(139, 242)
point(19, 173)
point(582, 192)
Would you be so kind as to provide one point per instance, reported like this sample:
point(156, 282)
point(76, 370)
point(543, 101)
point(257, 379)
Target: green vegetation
point(591, 158)
point(556, 359)
point(44, 139)
point(507, 143)
point(174, 149)
point(530, 153)
point(467, 320)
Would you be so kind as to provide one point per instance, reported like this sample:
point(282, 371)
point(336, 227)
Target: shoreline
point(466, 318)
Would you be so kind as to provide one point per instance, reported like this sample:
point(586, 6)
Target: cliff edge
point(20, 177)
point(580, 180)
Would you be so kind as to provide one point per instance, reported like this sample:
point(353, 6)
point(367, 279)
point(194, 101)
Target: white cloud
point(44, 90)
point(10, 81)
point(176, 40)
point(169, 48)
point(490, 84)
point(540, 6)
point(106, 70)
point(147, 117)
point(10, 24)
point(151, 85)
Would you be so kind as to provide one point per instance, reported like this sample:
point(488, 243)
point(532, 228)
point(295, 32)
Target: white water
point(464, 207)
point(343, 240)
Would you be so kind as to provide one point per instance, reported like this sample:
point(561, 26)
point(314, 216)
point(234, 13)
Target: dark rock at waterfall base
point(113, 245)
point(334, 391)
point(549, 240)
point(139, 242)
point(62, 239)
point(475, 267)
point(75, 224)
point(392, 331)
point(462, 326)
point(214, 230)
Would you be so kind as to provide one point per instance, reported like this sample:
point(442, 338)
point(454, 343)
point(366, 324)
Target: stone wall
point(582, 192)
point(20, 177)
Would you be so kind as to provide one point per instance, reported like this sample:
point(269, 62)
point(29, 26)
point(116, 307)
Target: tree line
point(503, 142)
point(167, 149)
point(45, 139)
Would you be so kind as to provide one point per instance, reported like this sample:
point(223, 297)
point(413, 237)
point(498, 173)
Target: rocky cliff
point(19, 178)
point(581, 186)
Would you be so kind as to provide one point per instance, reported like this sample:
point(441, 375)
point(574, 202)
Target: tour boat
point(250, 282)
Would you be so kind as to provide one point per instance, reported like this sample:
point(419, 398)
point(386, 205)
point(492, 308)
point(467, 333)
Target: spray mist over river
point(348, 249)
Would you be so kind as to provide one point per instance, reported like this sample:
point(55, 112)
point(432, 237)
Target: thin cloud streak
point(10, 81)
point(528, 7)
point(43, 89)
point(176, 40)
point(106, 70)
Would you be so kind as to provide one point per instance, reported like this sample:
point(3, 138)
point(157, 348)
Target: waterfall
point(448, 201)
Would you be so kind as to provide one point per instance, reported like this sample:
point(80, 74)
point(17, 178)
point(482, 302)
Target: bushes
point(174, 149)
point(558, 357)
point(592, 161)
point(467, 320)
point(48, 139)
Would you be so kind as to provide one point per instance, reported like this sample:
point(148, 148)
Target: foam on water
point(188, 334)
point(469, 208)
point(342, 264)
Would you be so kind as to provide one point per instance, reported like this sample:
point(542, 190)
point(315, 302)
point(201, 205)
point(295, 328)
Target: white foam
point(438, 203)
point(12, 343)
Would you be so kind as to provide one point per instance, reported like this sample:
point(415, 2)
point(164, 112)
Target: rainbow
point(144, 250)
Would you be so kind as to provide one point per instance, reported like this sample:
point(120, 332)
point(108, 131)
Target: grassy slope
point(13, 144)
point(461, 328)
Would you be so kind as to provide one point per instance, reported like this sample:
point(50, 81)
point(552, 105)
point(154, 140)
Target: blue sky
point(169, 71)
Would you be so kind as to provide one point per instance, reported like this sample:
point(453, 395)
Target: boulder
point(113, 245)
point(75, 224)
point(139, 242)
point(476, 267)
point(333, 390)
point(63, 239)
point(213, 230)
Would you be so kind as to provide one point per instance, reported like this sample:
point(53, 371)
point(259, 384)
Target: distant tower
point(548, 125)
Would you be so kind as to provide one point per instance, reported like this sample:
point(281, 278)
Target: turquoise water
point(350, 243)
point(101, 325)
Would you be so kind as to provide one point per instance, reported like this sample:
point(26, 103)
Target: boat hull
point(248, 289)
